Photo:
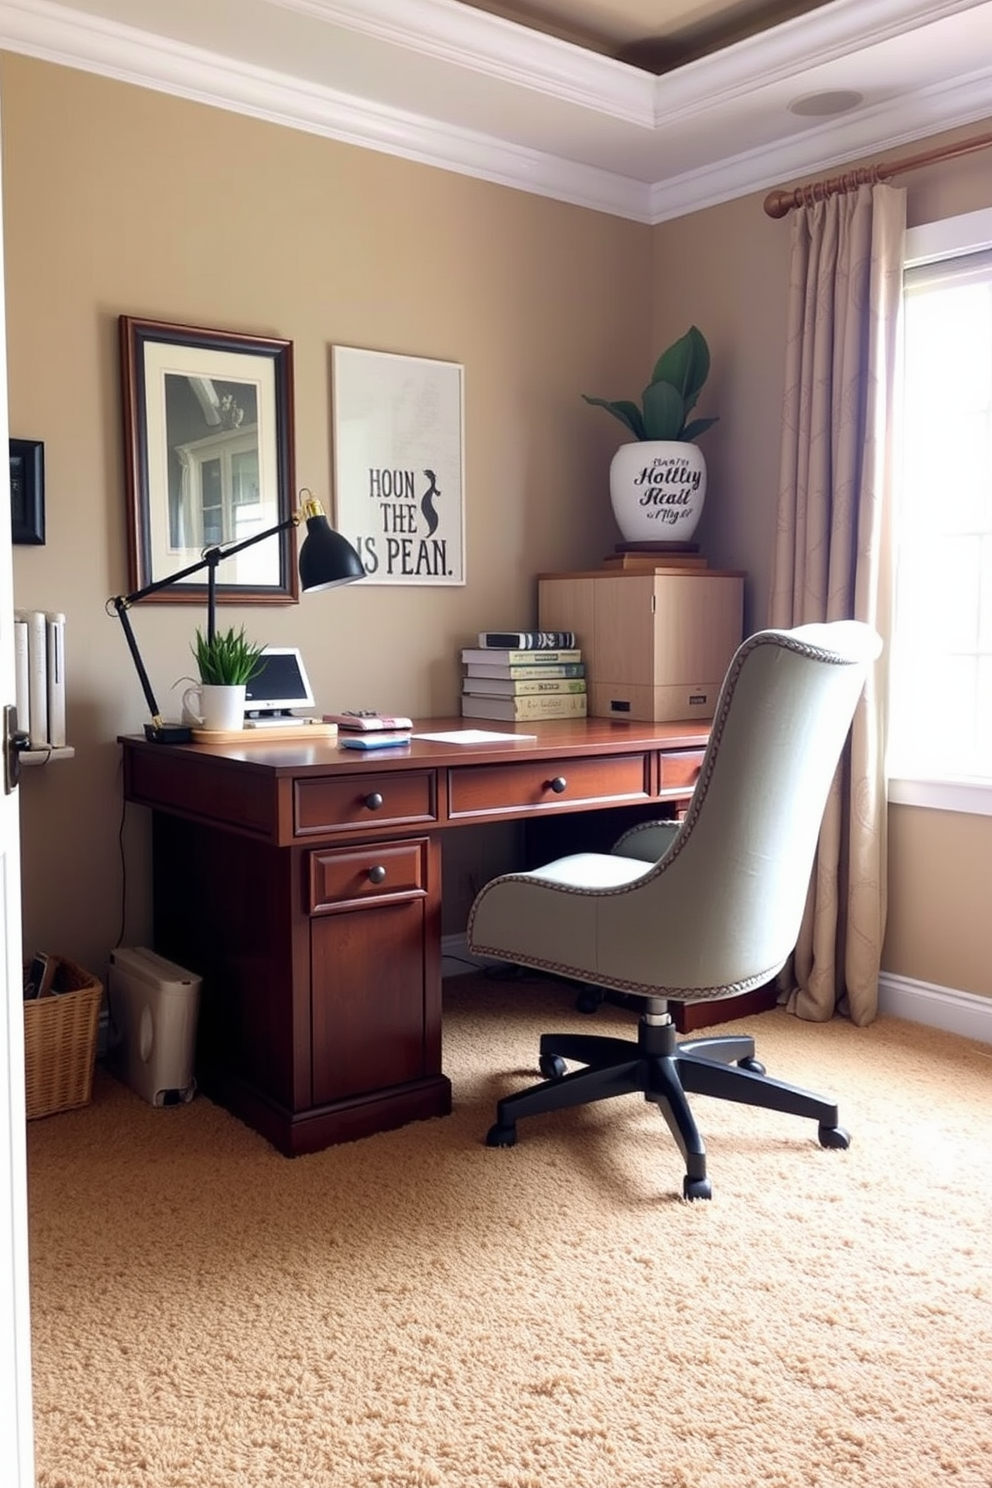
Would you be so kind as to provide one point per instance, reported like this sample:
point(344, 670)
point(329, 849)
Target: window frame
point(931, 241)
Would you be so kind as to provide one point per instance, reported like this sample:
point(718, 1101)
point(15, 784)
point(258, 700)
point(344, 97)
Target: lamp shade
point(326, 559)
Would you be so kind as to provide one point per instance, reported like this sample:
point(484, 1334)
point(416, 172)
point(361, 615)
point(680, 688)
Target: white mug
point(215, 707)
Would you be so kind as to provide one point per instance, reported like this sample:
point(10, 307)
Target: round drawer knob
point(377, 874)
point(559, 784)
point(374, 801)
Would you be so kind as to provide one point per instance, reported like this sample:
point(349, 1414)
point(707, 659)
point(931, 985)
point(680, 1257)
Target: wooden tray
point(271, 734)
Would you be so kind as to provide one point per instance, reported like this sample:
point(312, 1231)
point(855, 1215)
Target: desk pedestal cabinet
point(303, 883)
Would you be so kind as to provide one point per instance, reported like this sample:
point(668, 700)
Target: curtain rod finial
point(778, 204)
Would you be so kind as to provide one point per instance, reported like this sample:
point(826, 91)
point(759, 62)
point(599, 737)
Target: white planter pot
point(657, 490)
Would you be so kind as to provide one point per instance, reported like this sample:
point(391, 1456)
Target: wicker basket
point(60, 1042)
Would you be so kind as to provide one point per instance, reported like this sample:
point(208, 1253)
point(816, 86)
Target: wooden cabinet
point(320, 1017)
point(656, 645)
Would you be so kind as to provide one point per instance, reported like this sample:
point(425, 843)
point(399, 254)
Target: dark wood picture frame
point(208, 447)
point(27, 491)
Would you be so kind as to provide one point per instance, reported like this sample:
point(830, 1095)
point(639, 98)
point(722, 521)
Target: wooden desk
point(303, 882)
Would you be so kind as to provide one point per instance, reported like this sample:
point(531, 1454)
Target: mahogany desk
point(303, 882)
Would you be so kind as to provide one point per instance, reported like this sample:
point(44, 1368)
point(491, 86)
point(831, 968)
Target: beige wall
point(119, 200)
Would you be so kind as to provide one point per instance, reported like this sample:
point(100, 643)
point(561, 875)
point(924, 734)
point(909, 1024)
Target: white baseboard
point(964, 1013)
point(938, 1007)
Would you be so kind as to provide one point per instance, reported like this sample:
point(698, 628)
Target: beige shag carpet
point(417, 1310)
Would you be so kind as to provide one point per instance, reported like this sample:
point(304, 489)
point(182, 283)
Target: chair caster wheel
point(501, 1136)
point(834, 1136)
point(588, 1002)
point(696, 1188)
point(754, 1065)
point(552, 1066)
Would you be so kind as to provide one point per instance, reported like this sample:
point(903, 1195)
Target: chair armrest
point(649, 841)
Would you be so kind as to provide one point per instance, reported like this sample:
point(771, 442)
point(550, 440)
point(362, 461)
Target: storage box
point(60, 1041)
point(154, 1005)
point(656, 645)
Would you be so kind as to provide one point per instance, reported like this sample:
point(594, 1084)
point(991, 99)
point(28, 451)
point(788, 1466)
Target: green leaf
point(686, 364)
point(663, 411)
point(628, 413)
point(228, 660)
point(698, 426)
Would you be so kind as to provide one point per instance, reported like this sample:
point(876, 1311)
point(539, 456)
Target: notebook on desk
point(276, 692)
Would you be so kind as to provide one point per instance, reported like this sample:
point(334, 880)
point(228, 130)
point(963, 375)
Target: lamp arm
point(248, 542)
point(209, 560)
point(213, 556)
point(120, 604)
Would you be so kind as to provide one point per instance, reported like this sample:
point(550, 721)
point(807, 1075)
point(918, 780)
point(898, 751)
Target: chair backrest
point(722, 909)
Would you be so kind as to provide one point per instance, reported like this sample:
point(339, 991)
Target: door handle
point(14, 740)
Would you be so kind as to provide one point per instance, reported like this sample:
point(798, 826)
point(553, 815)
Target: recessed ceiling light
point(820, 105)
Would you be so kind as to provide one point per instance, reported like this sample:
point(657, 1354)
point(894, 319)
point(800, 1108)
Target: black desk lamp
point(325, 560)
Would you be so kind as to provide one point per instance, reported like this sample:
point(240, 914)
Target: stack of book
point(365, 729)
point(523, 675)
point(39, 676)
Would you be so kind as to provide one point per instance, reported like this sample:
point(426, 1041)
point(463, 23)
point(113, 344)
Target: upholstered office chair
point(717, 909)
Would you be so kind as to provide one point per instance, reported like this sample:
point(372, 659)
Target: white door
point(16, 1439)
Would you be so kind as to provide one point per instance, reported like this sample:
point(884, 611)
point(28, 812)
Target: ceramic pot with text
point(657, 490)
point(658, 482)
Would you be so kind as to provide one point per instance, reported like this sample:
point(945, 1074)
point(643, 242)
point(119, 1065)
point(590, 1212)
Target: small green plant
point(228, 660)
point(671, 394)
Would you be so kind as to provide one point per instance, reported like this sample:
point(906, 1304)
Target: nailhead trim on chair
point(641, 989)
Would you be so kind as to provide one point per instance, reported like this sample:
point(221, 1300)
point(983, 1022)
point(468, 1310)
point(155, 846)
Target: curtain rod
point(780, 203)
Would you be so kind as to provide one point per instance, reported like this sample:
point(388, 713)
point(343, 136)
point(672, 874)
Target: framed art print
point(27, 491)
point(208, 432)
point(398, 463)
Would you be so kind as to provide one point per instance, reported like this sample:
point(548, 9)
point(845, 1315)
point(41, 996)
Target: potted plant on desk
point(658, 482)
point(226, 663)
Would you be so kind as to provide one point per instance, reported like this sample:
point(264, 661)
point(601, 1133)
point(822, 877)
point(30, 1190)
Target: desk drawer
point(492, 790)
point(336, 803)
point(680, 769)
point(349, 875)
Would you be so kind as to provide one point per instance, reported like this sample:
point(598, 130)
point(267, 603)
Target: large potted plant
point(658, 480)
point(226, 663)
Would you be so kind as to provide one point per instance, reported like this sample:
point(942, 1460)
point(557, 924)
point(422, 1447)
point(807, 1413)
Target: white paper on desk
point(471, 736)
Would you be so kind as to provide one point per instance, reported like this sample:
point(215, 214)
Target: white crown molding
point(837, 30)
point(827, 149)
point(53, 33)
point(607, 111)
point(488, 44)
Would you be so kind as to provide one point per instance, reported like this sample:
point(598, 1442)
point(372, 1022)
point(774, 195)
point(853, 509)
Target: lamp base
point(169, 733)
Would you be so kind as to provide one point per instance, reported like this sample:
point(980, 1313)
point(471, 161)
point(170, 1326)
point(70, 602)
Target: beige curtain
point(831, 555)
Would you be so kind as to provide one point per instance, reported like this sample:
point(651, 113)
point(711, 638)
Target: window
point(941, 656)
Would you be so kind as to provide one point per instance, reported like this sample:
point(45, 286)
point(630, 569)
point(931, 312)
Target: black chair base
point(665, 1072)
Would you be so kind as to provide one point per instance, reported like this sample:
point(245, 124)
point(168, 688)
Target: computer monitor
point(281, 687)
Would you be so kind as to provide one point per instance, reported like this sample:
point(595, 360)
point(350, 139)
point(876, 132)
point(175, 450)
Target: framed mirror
point(208, 458)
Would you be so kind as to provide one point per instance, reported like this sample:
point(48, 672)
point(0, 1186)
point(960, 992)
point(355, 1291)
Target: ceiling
point(657, 35)
point(646, 109)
